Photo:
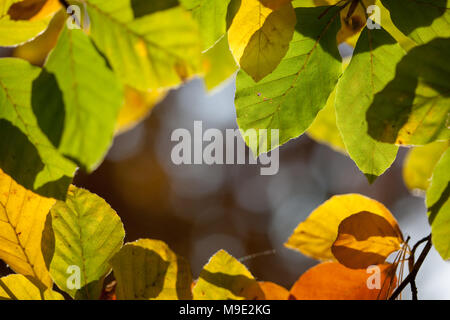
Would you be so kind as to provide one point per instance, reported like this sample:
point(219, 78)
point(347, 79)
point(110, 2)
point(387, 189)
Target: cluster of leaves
point(61, 112)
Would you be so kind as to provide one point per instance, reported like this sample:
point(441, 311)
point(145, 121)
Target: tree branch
point(411, 278)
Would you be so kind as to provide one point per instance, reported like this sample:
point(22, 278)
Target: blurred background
point(199, 209)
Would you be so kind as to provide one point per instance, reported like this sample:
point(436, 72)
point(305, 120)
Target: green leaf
point(92, 99)
point(438, 204)
point(414, 108)
point(219, 64)
point(83, 232)
point(291, 96)
point(324, 128)
point(19, 287)
point(26, 153)
point(211, 17)
point(148, 269)
point(419, 164)
point(150, 49)
point(421, 20)
point(225, 278)
point(371, 68)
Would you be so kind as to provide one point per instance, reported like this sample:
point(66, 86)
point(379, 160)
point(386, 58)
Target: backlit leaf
point(366, 239)
point(22, 219)
point(419, 164)
point(26, 154)
point(225, 278)
point(290, 98)
point(273, 291)
point(92, 99)
point(149, 49)
point(19, 287)
point(421, 20)
point(259, 36)
point(414, 108)
point(333, 281)
point(84, 232)
point(438, 204)
point(148, 269)
point(28, 18)
point(315, 236)
point(371, 68)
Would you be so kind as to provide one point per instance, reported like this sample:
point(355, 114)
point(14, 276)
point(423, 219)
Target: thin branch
point(411, 278)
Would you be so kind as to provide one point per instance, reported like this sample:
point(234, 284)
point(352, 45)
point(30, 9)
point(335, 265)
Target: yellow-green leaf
point(315, 236)
point(225, 278)
point(81, 235)
point(259, 35)
point(148, 269)
point(22, 219)
point(419, 164)
point(19, 287)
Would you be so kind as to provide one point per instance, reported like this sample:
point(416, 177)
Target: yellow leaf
point(34, 10)
point(419, 164)
point(315, 236)
point(22, 220)
point(273, 291)
point(333, 281)
point(259, 36)
point(19, 287)
point(365, 239)
point(148, 269)
point(138, 104)
point(225, 278)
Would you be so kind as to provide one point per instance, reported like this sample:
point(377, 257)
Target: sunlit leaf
point(84, 233)
point(219, 64)
point(148, 269)
point(225, 278)
point(366, 239)
point(27, 19)
point(438, 204)
point(290, 97)
point(19, 287)
point(421, 20)
point(371, 68)
point(147, 49)
point(259, 36)
point(211, 17)
point(22, 219)
point(315, 236)
point(333, 281)
point(414, 108)
point(419, 164)
point(91, 95)
point(137, 106)
point(273, 291)
point(26, 154)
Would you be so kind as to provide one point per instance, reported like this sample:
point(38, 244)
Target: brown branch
point(411, 278)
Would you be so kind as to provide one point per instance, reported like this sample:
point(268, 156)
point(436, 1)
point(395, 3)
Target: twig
point(411, 278)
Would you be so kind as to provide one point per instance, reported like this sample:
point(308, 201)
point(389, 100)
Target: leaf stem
point(411, 278)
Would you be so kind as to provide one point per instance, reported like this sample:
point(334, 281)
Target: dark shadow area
point(436, 207)
point(48, 106)
point(26, 9)
point(320, 24)
point(19, 158)
point(239, 285)
point(392, 107)
point(144, 7)
point(408, 15)
point(233, 8)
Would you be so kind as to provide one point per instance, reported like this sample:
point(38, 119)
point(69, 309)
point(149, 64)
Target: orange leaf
point(273, 291)
point(365, 239)
point(333, 281)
